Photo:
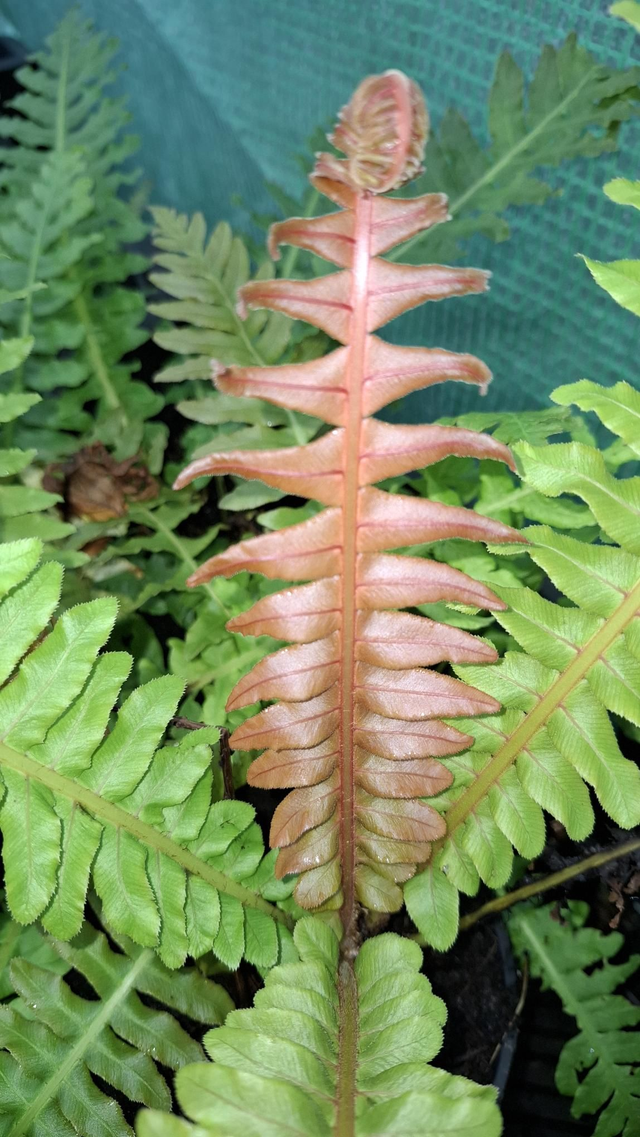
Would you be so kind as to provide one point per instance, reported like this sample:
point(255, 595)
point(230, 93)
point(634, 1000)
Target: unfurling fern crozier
point(358, 734)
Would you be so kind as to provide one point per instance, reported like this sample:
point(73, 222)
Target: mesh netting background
point(224, 93)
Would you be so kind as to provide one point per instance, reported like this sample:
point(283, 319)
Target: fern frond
point(86, 324)
point(326, 1051)
point(572, 108)
point(65, 104)
point(173, 870)
point(600, 1067)
point(38, 241)
point(203, 274)
point(52, 1039)
point(358, 734)
point(579, 661)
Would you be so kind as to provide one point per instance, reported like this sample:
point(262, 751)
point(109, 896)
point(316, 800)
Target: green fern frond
point(572, 108)
point(173, 870)
point(579, 661)
point(203, 274)
point(327, 1051)
point(65, 104)
point(600, 1067)
point(37, 239)
point(52, 1039)
point(83, 328)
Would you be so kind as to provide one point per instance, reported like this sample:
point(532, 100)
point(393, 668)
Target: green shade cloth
point(224, 93)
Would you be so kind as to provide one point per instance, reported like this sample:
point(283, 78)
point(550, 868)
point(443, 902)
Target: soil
point(478, 982)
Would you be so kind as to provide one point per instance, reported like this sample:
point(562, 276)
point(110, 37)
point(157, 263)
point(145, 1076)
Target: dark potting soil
point(478, 983)
point(532, 1106)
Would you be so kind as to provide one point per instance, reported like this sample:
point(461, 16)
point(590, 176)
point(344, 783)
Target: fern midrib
point(354, 381)
point(496, 169)
point(101, 1020)
point(114, 815)
point(96, 359)
point(27, 311)
point(617, 1077)
point(25, 323)
point(347, 1051)
point(32, 268)
point(94, 352)
point(553, 698)
point(154, 522)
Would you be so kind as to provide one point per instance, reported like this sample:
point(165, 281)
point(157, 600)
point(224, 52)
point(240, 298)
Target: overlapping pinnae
point(358, 732)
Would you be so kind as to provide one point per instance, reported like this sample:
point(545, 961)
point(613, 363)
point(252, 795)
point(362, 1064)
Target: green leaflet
point(29, 944)
point(82, 801)
point(65, 224)
point(327, 1051)
point(621, 279)
point(600, 1066)
point(46, 1062)
point(618, 407)
point(578, 662)
point(573, 107)
point(623, 191)
point(628, 10)
point(21, 506)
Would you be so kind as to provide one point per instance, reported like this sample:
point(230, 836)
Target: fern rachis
point(331, 1050)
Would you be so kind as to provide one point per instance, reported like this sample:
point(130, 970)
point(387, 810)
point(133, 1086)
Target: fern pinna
point(358, 733)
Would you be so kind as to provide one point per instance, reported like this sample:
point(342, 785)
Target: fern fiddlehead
point(359, 733)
